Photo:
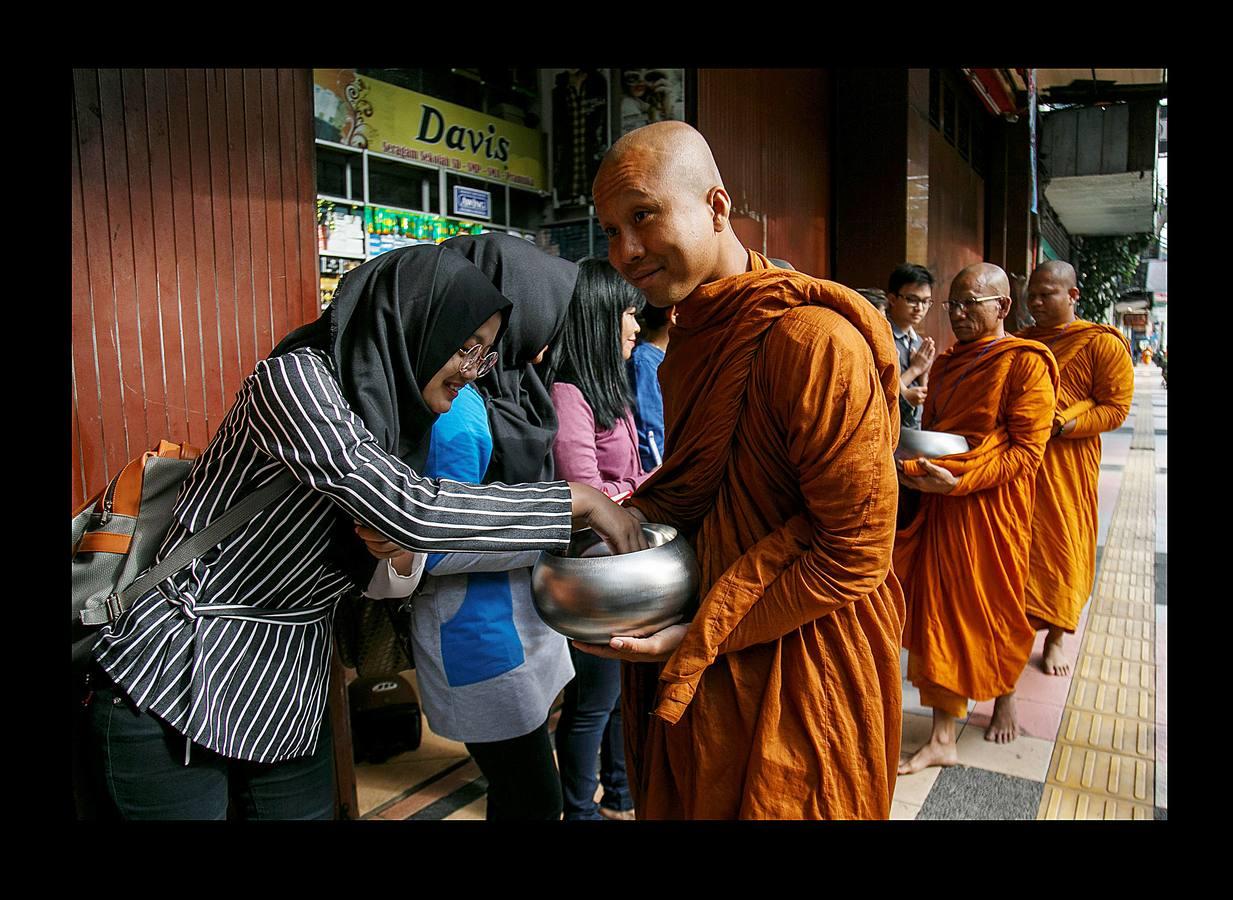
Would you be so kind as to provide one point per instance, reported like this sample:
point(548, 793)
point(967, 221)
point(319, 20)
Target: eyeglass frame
point(970, 304)
point(916, 302)
point(469, 359)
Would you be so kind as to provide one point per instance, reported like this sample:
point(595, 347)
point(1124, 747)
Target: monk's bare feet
point(932, 754)
point(1004, 726)
point(1055, 662)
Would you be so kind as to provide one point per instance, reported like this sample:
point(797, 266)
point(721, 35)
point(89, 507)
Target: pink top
point(607, 460)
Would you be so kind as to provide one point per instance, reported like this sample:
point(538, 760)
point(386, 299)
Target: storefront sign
point(1160, 298)
point(472, 203)
point(1135, 320)
point(362, 112)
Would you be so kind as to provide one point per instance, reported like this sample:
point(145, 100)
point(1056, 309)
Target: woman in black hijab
point(228, 659)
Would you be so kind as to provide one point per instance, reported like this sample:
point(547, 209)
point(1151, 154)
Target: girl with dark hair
point(212, 687)
point(596, 444)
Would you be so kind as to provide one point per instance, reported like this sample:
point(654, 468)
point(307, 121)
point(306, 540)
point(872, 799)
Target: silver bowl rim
point(672, 544)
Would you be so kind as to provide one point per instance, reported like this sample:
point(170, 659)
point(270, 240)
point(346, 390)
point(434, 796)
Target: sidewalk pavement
point(1094, 744)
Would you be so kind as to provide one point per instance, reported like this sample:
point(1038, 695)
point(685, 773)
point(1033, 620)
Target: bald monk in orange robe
point(781, 698)
point(1094, 394)
point(964, 556)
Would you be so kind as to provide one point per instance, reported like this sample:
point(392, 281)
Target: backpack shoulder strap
point(111, 608)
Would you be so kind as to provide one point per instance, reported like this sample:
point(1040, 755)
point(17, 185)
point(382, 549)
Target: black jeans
point(590, 738)
point(522, 777)
point(139, 761)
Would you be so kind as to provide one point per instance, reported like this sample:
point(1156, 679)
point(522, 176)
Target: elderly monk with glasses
point(964, 556)
point(781, 698)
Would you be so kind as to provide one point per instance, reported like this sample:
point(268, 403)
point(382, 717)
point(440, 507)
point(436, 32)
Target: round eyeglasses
point(471, 359)
point(953, 306)
point(917, 302)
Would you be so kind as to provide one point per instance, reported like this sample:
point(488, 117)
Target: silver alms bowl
point(914, 444)
point(590, 595)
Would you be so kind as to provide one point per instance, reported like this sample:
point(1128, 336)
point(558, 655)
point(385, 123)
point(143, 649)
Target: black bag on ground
point(385, 717)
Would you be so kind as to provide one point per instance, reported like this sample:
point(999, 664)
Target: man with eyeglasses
point(909, 295)
point(1097, 386)
point(963, 558)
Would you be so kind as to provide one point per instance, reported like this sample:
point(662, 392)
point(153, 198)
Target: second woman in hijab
point(487, 667)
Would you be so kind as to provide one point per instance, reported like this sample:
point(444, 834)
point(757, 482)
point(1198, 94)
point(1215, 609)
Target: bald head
point(983, 278)
point(672, 150)
point(1058, 270)
point(1052, 293)
point(660, 200)
point(984, 319)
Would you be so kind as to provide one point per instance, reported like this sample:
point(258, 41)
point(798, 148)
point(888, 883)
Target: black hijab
point(520, 410)
point(393, 323)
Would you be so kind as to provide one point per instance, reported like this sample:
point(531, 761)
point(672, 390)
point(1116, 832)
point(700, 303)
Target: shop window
point(339, 174)
point(496, 204)
point(404, 186)
point(526, 209)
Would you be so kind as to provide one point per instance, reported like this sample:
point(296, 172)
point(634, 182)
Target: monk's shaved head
point(672, 150)
point(984, 319)
point(1051, 294)
point(662, 203)
point(983, 278)
point(1060, 271)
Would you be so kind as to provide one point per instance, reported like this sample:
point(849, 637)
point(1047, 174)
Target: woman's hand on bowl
point(654, 647)
point(618, 527)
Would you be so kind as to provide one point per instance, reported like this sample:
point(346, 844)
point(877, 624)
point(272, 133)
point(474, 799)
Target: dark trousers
point(139, 762)
point(522, 777)
point(589, 737)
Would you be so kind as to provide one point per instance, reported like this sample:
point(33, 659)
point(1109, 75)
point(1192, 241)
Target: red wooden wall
point(194, 249)
point(770, 132)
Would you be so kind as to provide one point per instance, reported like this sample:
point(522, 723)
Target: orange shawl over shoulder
point(963, 558)
point(1096, 389)
point(780, 398)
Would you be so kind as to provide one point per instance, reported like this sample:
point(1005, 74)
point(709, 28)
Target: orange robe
point(783, 700)
point(963, 559)
point(1096, 387)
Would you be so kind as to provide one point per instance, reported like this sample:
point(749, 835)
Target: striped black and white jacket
point(234, 650)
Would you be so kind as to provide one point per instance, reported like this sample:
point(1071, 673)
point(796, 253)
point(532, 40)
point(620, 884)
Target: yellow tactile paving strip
point(1104, 760)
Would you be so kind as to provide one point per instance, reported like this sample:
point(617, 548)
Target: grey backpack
point(117, 533)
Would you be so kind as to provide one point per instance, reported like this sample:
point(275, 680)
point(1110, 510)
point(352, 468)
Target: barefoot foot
point(1004, 726)
point(1054, 661)
point(933, 753)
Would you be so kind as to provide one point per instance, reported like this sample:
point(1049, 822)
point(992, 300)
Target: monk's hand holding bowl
point(936, 480)
point(640, 646)
point(618, 527)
